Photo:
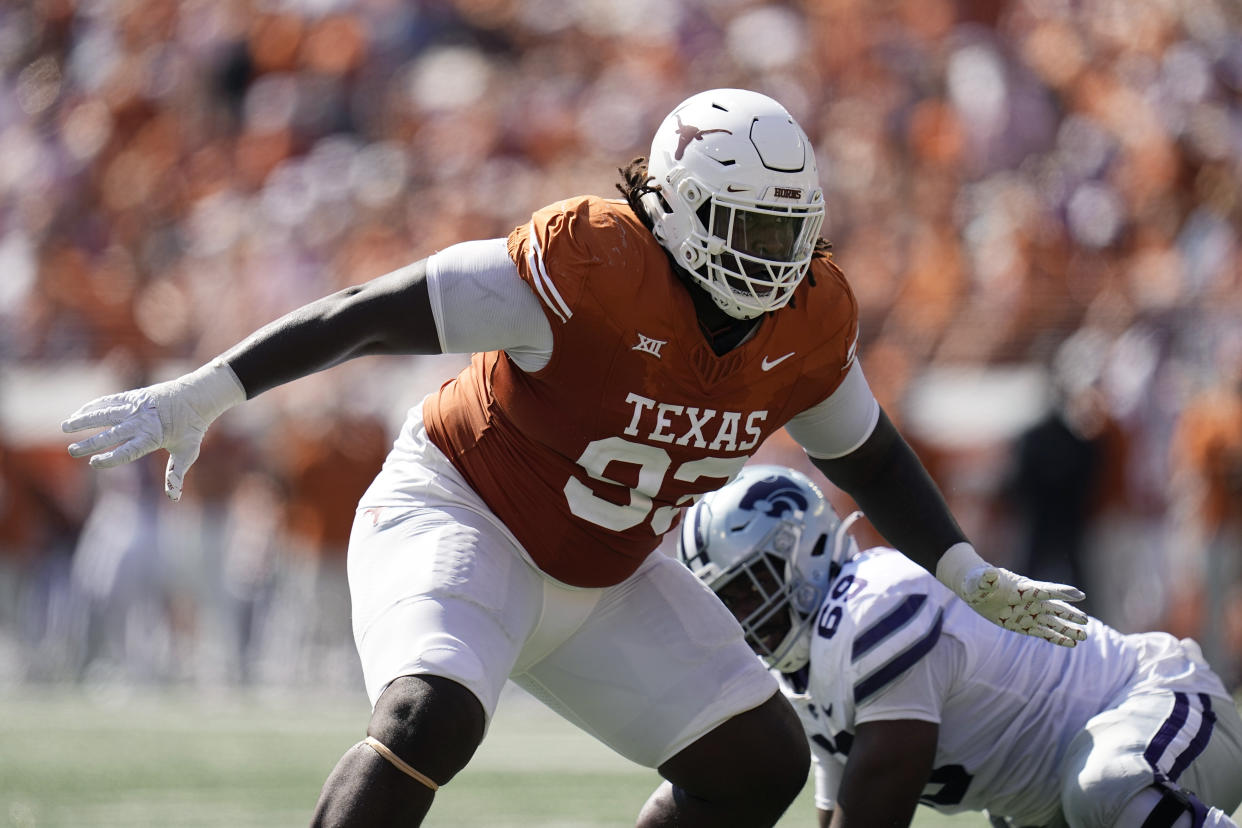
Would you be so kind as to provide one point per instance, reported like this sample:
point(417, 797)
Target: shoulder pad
point(578, 238)
point(896, 615)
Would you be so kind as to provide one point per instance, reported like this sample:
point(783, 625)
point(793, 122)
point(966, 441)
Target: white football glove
point(1013, 601)
point(171, 415)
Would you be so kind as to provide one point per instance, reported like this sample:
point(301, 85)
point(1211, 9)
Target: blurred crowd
point(1037, 202)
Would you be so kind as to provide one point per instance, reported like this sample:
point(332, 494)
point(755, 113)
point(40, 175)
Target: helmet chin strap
point(841, 538)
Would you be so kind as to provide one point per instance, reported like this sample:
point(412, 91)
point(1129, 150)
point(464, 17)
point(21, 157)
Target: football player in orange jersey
point(628, 357)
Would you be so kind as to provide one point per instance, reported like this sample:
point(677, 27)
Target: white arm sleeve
point(842, 422)
point(481, 304)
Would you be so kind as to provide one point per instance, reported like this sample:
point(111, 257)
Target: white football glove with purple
point(1010, 600)
point(171, 415)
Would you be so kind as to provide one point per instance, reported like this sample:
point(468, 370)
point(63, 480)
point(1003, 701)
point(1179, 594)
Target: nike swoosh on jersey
point(769, 364)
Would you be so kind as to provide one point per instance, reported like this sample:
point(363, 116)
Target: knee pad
point(1168, 809)
point(1165, 807)
point(427, 724)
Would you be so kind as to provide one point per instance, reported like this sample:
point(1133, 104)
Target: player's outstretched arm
point(1013, 601)
point(388, 315)
point(888, 767)
point(897, 494)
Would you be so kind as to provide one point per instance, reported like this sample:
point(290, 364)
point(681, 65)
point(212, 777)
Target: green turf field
point(171, 761)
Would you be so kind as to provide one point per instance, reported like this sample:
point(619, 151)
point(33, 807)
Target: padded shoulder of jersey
point(584, 238)
point(826, 297)
point(827, 283)
point(893, 615)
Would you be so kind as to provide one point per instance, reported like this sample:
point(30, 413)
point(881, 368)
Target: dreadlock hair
point(636, 183)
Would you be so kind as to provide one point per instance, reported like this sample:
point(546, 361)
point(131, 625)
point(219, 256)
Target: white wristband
point(958, 561)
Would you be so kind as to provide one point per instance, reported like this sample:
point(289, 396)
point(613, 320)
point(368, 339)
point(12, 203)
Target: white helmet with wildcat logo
point(739, 203)
point(769, 544)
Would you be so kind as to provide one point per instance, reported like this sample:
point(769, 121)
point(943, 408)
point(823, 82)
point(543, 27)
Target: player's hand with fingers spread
point(1013, 601)
point(171, 415)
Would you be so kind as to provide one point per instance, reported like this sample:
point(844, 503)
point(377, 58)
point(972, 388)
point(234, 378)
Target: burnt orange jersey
point(590, 460)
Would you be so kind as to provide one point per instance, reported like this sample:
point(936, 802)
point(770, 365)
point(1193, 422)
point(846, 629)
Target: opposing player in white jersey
point(908, 696)
point(628, 357)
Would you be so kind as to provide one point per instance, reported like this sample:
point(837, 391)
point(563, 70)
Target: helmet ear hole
point(820, 543)
point(704, 212)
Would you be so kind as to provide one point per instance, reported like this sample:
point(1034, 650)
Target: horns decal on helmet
point(687, 133)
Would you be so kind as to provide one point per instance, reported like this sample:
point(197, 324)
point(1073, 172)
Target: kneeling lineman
point(908, 696)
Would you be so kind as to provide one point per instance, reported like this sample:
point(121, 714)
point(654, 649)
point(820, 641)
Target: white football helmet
point(769, 544)
point(739, 203)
